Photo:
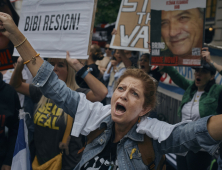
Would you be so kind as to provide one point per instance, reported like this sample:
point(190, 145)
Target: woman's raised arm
point(98, 89)
point(10, 30)
point(16, 79)
point(206, 56)
point(43, 74)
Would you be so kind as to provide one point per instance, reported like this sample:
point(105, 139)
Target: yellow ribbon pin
point(132, 152)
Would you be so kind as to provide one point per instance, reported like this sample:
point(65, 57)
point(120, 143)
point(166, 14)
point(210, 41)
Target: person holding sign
point(199, 100)
point(102, 64)
point(114, 70)
point(95, 55)
point(123, 125)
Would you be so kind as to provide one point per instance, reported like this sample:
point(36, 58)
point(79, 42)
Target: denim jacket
point(189, 136)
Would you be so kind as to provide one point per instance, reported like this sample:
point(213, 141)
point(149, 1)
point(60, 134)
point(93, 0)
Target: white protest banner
point(56, 26)
point(133, 26)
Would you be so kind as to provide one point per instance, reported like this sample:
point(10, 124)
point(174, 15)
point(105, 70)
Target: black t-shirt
point(50, 125)
point(155, 74)
point(9, 111)
point(105, 159)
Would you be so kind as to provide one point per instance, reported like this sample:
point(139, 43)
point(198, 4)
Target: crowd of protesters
point(105, 101)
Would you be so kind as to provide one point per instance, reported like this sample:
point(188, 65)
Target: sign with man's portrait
point(54, 27)
point(133, 26)
point(177, 32)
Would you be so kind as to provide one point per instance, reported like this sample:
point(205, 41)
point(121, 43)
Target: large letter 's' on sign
point(133, 26)
point(56, 26)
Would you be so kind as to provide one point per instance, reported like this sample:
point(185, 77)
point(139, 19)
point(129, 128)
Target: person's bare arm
point(206, 56)
point(10, 30)
point(98, 90)
point(16, 79)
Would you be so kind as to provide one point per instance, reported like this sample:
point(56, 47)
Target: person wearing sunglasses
point(107, 57)
point(199, 100)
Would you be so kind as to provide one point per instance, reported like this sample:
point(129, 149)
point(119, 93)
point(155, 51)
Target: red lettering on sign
point(3, 58)
point(6, 61)
point(171, 60)
point(9, 56)
point(170, 2)
point(177, 7)
point(157, 60)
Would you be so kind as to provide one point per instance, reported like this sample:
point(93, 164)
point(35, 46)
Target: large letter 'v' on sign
point(125, 39)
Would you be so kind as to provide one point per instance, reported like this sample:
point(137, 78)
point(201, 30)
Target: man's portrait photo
point(182, 30)
point(182, 33)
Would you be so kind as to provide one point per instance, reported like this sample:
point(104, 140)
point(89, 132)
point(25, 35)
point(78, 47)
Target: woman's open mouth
point(198, 80)
point(120, 109)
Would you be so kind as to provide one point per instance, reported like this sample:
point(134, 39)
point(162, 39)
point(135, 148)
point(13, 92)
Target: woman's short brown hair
point(149, 85)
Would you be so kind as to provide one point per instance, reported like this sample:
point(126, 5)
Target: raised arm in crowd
point(97, 93)
point(132, 99)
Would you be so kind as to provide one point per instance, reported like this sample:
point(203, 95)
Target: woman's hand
point(7, 25)
point(206, 55)
point(114, 32)
point(20, 60)
point(74, 63)
point(113, 63)
point(19, 63)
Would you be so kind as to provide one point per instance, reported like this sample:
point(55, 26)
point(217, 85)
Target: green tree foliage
point(107, 11)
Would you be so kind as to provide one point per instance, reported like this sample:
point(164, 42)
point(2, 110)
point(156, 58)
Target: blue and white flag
point(21, 157)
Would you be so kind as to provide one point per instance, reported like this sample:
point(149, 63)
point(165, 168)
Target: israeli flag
point(21, 157)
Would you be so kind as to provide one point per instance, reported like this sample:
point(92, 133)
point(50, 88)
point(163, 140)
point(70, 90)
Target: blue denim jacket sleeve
point(191, 136)
point(56, 89)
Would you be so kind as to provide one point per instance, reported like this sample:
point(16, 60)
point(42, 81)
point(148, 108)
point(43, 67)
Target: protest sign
point(133, 26)
point(177, 32)
point(56, 26)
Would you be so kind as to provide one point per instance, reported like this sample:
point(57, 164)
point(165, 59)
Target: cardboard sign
point(6, 61)
point(177, 32)
point(56, 26)
point(133, 26)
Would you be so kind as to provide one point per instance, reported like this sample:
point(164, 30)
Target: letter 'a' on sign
point(56, 26)
point(177, 32)
point(133, 26)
